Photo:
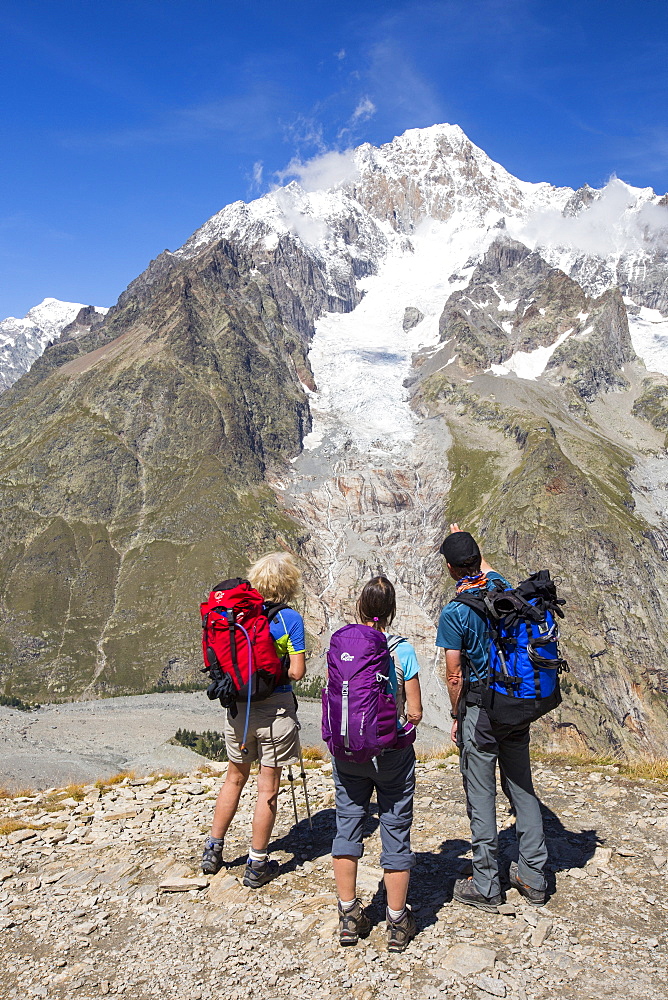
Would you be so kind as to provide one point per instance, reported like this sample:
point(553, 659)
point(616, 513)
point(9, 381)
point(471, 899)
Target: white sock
point(347, 905)
point(395, 915)
point(257, 855)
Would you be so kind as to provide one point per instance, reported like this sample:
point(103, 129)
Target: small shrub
point(10, 825)
point(165, 687)
point(53, 803)
point(11, 702)
point(16, 793)
point(115, 779)
point(641, 766)
point(75, 792)
point(309, 687)
point(436, 753)
point(210, 744)
point(167, 775)
point(313, 753)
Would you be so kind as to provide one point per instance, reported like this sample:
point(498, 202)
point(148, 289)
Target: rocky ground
point(100, 894)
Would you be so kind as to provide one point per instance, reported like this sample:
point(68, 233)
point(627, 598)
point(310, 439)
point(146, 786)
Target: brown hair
point(469, 568)
point(377, 603)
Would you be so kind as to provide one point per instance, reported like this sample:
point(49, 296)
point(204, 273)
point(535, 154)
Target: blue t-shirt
point(408, 662)
point(287, 631)
point(460, 627)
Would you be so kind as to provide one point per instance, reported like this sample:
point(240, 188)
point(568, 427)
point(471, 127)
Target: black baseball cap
point(460, 549)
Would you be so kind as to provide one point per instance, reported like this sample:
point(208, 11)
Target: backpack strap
point(271, 609)
point(393, 641)
point(483, 608)
point(476, 604)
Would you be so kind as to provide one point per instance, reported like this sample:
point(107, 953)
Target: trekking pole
point(308, 805)
point(291, 779)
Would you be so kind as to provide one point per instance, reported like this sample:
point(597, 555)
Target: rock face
point(515, 302)
point(343, 372)
point(412, 317)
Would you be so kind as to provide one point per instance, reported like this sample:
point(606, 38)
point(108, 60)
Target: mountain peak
point(23, 340)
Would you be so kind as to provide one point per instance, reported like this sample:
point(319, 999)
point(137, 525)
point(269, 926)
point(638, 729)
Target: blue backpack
point(522, 682)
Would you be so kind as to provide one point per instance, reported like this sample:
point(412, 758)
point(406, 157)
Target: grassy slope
point(131, 481)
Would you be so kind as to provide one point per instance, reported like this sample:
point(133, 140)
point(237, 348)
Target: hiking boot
point(401, 932)
point(537, 897)
point(353, 924)
point(212, 857)
point(259, 872)
point(465, 891)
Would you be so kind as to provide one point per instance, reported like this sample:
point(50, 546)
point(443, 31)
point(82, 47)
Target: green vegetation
point(164, 687)
point(309, 687)
point(11, 702)
point(652, 405)
point(209, 744)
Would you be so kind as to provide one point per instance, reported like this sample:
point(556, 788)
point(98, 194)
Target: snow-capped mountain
point(405, 225)
point(24, 340)
point(398, 338)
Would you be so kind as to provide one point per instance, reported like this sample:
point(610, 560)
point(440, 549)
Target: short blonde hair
point(277, 576)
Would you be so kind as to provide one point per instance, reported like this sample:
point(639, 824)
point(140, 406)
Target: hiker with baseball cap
point(482, 735)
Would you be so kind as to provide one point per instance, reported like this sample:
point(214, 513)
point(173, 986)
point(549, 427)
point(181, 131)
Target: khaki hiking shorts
point(273, 732)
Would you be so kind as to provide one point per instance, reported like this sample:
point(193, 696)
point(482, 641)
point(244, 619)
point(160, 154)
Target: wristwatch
point(454, 715)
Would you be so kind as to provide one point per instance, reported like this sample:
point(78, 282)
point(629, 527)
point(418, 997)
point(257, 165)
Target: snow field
point(361, 359)
point(649, 336)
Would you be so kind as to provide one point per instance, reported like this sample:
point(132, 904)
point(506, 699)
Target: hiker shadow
point(567, 849)
point(304, 841)
point(431, 884)
point(310, 842)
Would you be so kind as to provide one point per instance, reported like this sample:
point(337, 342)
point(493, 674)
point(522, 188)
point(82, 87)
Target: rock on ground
point(101, 895)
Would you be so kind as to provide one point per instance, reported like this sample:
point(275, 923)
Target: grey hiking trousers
point(482, 744)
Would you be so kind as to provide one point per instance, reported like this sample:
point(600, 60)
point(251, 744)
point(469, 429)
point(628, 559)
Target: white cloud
point(365, 109)
point(323, 172)
point(341, 54)
point(257, 173)
point(620, 218)
point(306, 227)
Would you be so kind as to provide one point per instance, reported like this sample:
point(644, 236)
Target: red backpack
point(239, 652)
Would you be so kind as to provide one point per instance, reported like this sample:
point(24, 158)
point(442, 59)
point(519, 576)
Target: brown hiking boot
point(401, 932)
point(537, 897)
point(353, 924)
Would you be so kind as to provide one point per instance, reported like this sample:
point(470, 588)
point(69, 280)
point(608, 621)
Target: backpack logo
point(347, 657)
point(219, 594)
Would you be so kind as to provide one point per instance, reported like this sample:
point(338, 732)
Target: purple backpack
point(359, 715)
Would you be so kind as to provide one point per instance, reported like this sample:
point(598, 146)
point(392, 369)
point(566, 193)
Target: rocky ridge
point(100, 895)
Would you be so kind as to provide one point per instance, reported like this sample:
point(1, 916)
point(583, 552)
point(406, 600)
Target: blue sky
point(127, 123)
